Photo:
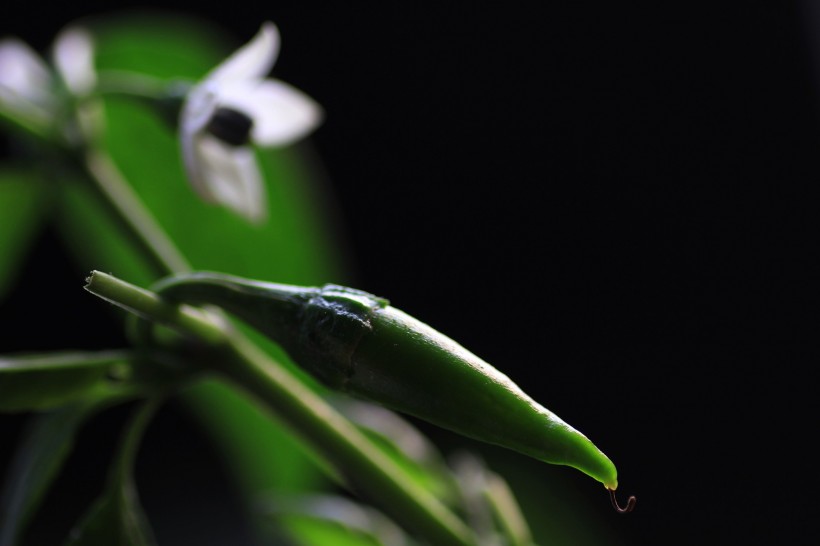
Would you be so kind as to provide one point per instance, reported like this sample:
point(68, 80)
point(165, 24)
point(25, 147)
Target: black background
point(613, 203)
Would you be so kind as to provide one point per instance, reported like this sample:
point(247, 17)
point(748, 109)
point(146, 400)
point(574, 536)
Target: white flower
point(25, 81)
point(29, 89)
point(73, 56)
point(233, 106)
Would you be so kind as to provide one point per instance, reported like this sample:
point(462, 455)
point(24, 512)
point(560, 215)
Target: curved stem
point(630, 503)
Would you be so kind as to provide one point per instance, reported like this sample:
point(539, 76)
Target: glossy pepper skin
point(357, 343)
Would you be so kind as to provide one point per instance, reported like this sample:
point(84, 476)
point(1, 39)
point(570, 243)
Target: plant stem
point(149, 305)
point(34, 124)
point(133, 85)
point(156, 244)
point(346, 448)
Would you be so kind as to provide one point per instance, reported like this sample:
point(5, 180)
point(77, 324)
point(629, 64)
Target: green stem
point(35, 125)
point(156, 244)
point(164, 97)
point(147, 304)
point(366, 469)
point(132, 84)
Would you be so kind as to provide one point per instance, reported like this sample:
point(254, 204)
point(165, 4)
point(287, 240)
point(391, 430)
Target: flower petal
point(73, 55)
point(26, 90)
point(192, 163)
point(22, 72)
point(229, 176)
point(281, 113)
point(197, 109)
point(253, 60)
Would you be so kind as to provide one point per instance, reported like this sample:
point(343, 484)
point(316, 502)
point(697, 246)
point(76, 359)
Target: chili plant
point(270, 357)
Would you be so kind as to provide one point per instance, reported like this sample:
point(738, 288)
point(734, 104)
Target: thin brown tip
point(630, 503)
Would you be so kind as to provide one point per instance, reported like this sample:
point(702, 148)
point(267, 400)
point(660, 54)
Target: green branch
point(154, 242)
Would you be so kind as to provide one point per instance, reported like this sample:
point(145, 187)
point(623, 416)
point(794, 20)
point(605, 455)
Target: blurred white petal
point(192, 164)
point(253, 60)
point(230, 176)
point(23, 73)
point(281, 114)
point(199, 106)
point(74, 58)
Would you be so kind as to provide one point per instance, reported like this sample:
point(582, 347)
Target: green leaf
point(166, 45)
point(45, 381)
point(46, 442)
point(81, 384)
point(116, 517)
point(334, 520)
point(22, 210)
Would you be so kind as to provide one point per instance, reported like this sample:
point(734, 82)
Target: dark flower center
point(230, 126)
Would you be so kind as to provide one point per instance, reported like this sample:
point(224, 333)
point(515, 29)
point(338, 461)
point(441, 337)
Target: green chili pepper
point(357, 343)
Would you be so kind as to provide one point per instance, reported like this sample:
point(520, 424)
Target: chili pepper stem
point(145, 303)
point(630, 502)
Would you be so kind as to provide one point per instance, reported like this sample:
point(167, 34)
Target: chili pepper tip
point(630, 503)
